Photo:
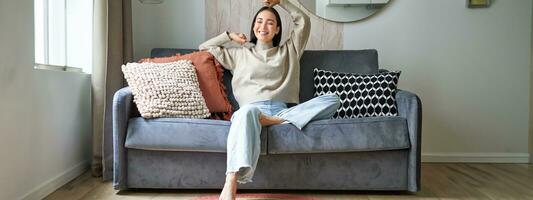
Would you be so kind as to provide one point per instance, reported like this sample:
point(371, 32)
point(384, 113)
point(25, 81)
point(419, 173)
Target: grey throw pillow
point(166, 89)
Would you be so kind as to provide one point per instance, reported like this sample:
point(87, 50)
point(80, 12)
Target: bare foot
point(230, 187)
point(269, 120)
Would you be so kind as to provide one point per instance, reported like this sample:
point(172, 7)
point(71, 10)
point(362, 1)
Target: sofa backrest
point(352, 61)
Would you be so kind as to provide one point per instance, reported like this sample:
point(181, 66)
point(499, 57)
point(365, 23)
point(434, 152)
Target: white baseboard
point(55, 183)
point(476, 157)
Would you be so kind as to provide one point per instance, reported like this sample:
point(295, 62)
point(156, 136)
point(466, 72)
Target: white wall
point(44, 115)
point(172, 24)
point(469, 66)
point(310, 5)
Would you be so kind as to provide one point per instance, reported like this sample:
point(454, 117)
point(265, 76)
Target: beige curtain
point(531, 100)
point(112, 47)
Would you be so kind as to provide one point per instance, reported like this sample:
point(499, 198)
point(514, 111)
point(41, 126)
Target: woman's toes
point(269, 120)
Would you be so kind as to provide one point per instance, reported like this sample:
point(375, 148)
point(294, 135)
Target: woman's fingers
point(267, 3)
point(238, 37)
point(270, 3)
point(243, 37)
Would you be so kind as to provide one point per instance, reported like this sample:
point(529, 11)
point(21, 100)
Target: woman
point(266, 76)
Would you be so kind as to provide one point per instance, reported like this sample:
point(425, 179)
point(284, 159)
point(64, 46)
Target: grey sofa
point(378, 153)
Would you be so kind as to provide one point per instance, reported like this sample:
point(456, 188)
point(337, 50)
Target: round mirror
point(343, 10)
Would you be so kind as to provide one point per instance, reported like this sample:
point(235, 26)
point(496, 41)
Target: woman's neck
point(263, 45)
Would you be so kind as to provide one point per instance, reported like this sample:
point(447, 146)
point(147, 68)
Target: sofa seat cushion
point(178, 134)
point(340, 135)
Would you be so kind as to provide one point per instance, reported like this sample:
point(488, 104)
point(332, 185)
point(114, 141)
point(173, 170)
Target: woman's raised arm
point(225, 56)
point(302, 26)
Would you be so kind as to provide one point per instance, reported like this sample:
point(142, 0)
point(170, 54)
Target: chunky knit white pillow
point(166, 89)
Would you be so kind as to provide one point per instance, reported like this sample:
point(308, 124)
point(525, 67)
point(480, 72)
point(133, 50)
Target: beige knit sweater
point(263, 72)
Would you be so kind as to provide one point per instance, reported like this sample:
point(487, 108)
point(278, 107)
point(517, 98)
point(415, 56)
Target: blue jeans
point(244, 143)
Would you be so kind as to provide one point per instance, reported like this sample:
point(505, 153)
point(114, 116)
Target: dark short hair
point(277, 38)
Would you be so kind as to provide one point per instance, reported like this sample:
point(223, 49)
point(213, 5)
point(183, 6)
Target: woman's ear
point(277, 30)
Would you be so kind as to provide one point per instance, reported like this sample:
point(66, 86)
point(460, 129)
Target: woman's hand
point(238, 37)
point(270, 3)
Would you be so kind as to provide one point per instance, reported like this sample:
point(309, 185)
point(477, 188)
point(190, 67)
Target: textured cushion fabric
point(161, 52)
point(350, 61)
point(361, 95)
point(210, 76)
point(166, 89)
point(175, 134)
point(340, 135)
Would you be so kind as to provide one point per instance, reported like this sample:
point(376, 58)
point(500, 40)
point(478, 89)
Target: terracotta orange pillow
point(161, 59)
point(210, 76)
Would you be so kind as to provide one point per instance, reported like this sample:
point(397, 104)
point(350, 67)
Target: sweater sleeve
point(225, 56)
point(302, 27)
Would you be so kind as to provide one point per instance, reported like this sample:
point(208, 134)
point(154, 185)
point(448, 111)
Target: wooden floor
point(439, 181)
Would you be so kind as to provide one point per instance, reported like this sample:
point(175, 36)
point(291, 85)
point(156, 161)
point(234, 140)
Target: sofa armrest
point(410, 107)
point(122, 104)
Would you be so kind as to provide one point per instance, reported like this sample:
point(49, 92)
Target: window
point(63, 34)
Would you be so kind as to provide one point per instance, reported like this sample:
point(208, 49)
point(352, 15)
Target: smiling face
point(266, 26)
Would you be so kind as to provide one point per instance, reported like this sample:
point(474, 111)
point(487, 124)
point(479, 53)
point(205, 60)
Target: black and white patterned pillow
point(360, 95)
